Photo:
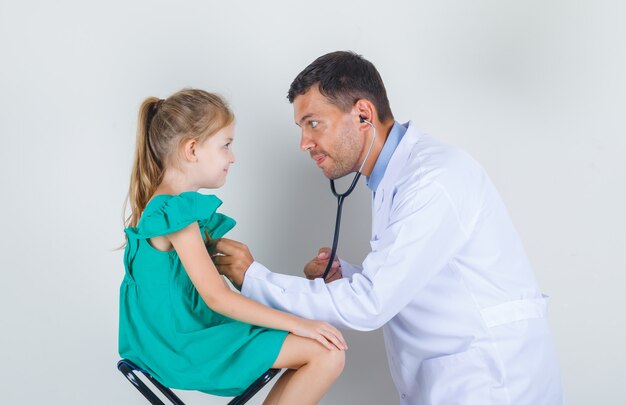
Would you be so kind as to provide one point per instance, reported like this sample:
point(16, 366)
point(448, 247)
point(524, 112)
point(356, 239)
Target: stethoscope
point(342, 196)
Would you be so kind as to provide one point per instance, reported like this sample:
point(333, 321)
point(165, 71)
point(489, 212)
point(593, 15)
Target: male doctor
point(447, 277)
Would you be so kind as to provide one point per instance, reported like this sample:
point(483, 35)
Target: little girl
point(179, 320)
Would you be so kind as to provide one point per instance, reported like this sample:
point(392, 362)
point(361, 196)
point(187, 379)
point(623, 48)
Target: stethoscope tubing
point(340, 198)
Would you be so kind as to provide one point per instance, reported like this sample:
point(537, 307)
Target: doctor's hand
point(231, 258)
point(315, 268)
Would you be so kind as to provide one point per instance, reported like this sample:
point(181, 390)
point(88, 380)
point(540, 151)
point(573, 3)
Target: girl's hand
point(323, 332)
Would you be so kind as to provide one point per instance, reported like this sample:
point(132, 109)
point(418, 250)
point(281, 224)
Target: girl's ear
point(189, 150)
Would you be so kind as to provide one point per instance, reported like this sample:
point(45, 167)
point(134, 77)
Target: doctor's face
point(329, 134)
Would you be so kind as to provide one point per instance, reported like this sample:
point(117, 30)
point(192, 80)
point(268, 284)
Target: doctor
point(447, 277)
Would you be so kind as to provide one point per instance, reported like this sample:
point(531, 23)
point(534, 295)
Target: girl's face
point(214, 158)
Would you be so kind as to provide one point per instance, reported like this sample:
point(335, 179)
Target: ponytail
point(147, 171)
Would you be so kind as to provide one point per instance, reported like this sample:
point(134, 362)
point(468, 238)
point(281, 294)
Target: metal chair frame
point(128, 368)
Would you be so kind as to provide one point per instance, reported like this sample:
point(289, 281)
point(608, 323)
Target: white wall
point(535, 90)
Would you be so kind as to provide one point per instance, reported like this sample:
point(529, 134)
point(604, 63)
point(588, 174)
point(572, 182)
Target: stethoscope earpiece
point(364, 120)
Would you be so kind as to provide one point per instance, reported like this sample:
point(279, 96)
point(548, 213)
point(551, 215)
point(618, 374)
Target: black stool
point(128, 368)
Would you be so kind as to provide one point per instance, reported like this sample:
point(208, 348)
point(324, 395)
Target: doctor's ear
point(365, 111)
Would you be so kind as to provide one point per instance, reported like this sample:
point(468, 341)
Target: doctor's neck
point(382, 133)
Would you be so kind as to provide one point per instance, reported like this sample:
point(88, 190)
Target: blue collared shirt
point(395, 136)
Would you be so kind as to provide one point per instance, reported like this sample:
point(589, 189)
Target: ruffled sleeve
point(167, 214)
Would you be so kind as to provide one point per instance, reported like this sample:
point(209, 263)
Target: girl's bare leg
point(313, 369)
point(277, 389)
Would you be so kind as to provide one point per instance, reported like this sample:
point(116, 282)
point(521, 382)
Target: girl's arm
point(217, 296)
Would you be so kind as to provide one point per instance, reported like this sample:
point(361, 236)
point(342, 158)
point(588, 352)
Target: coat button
point(403, 396)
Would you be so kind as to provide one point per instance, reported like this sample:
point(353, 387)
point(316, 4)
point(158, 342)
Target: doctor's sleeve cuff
point(255, 271)
point(277, 290)
point(349, 269)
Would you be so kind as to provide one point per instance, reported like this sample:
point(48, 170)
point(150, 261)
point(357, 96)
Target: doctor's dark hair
point(163, 126)
point(344, 77)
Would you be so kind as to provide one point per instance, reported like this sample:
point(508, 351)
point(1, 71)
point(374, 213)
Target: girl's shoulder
point(165, 214)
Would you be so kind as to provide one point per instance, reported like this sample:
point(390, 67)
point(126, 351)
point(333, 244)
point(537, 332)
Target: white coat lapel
point(382, 198)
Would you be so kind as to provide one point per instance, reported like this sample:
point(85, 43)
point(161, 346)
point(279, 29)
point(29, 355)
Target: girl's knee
point(332, 361)
point(298, 352)
point(338, 360)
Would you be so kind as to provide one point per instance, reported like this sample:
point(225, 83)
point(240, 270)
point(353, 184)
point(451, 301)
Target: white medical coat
point(447, 279)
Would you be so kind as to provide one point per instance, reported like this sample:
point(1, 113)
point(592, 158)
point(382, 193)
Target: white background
point(535, 90)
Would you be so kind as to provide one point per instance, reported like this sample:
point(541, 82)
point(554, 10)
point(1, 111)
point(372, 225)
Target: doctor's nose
point(306, 143)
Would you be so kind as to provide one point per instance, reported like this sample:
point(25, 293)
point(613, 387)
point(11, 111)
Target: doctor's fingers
point(315, 269)
point(241, 262)
point(230, 247)
point(323, 252)
point(322, 258)
point(334, 274)
point(211, 246)
point(324, 262)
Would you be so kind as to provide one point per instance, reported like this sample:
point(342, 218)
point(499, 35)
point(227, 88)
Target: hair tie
point(157, 105)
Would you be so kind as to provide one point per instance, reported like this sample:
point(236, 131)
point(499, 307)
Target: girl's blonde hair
point(163, 126)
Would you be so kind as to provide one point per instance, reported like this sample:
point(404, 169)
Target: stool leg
point(255, 387)
point(166, 391)
point(137, 383)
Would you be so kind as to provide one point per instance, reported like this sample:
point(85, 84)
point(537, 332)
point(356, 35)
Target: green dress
point(165, 326)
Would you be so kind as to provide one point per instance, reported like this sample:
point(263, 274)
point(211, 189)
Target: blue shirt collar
point(395, 136)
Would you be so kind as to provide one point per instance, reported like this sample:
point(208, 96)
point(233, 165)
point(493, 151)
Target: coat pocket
point(466, 378)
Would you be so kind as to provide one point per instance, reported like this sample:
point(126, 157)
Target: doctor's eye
point(227, 146)
point(313, 124)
